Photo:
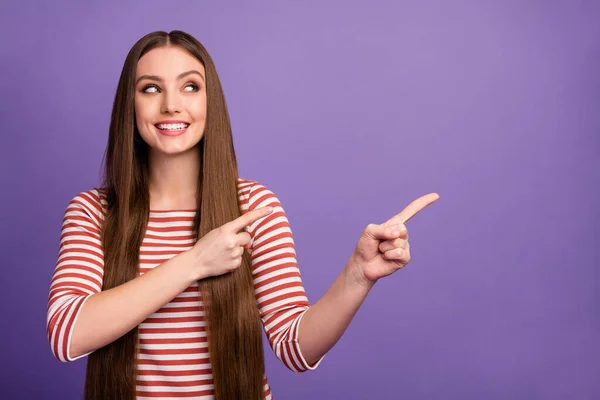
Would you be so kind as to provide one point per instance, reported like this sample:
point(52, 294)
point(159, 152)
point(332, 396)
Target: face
point(170, 100)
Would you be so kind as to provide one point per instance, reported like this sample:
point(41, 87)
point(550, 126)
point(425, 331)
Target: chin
point(176, 149)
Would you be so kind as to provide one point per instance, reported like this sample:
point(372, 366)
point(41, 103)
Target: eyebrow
point(160, 79)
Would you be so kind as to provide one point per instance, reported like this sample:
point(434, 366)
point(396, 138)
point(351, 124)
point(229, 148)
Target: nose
point(171, 103)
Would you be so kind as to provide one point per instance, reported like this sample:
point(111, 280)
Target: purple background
point(348, 111)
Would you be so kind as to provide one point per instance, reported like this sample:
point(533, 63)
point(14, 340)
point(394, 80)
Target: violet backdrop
point(348, 111)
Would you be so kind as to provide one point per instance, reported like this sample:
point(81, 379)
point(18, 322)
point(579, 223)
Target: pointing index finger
point(248, 218)
point(412, 209)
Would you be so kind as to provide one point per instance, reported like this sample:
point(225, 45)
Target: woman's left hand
point(384, 249)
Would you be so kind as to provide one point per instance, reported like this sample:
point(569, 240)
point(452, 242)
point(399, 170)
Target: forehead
point(167, 62)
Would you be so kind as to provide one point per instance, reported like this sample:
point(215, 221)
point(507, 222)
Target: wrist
point(355, 275)
point(189, 263)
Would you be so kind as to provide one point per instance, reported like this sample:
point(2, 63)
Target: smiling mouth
point(172, 129)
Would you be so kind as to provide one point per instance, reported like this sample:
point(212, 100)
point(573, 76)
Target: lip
point(170, 132)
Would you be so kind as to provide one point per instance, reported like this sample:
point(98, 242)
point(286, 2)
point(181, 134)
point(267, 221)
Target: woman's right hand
point(220, 250)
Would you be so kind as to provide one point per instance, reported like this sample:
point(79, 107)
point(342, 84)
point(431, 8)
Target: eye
point(150, 89)
point(192, 86)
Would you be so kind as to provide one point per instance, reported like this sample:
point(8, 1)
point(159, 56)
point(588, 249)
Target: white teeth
point(172, 127)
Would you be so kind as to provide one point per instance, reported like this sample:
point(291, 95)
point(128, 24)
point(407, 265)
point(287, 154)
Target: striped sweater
point(173, 359)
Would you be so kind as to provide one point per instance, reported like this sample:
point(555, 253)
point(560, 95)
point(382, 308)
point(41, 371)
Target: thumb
point(382, 232)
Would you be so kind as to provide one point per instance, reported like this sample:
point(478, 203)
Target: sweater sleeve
point(78, 272)
point(278, 286)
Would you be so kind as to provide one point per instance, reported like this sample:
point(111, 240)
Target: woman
point(165, 274)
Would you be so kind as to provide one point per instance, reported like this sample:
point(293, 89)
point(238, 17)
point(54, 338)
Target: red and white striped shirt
point(173, 350)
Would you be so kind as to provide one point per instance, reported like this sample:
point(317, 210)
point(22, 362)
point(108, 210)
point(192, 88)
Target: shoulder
point(253, 194)
point(90, 202)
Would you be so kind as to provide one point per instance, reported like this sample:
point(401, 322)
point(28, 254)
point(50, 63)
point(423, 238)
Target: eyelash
point(196, 87)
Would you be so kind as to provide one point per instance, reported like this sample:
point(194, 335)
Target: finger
point(235, 263)
point(243, 239)
point(393, 244)
point(401, 255)
point(237, 252)
point(412, 209)
point(400, 231)
point(248, 219)
point(381, 232)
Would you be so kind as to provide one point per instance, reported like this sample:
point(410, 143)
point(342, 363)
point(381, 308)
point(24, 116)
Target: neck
point(173, 180)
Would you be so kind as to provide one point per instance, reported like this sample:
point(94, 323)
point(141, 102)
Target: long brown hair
point(233, 322)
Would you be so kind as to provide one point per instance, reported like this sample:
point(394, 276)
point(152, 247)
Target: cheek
point(142, 118)
point(141, 109)
point(139, 112)
point(198, 110)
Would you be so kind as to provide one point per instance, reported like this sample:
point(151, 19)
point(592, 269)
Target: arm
point(326, 321)
point(380, 251)
point(80, 317)
point(299, 334)
point(278, 286)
